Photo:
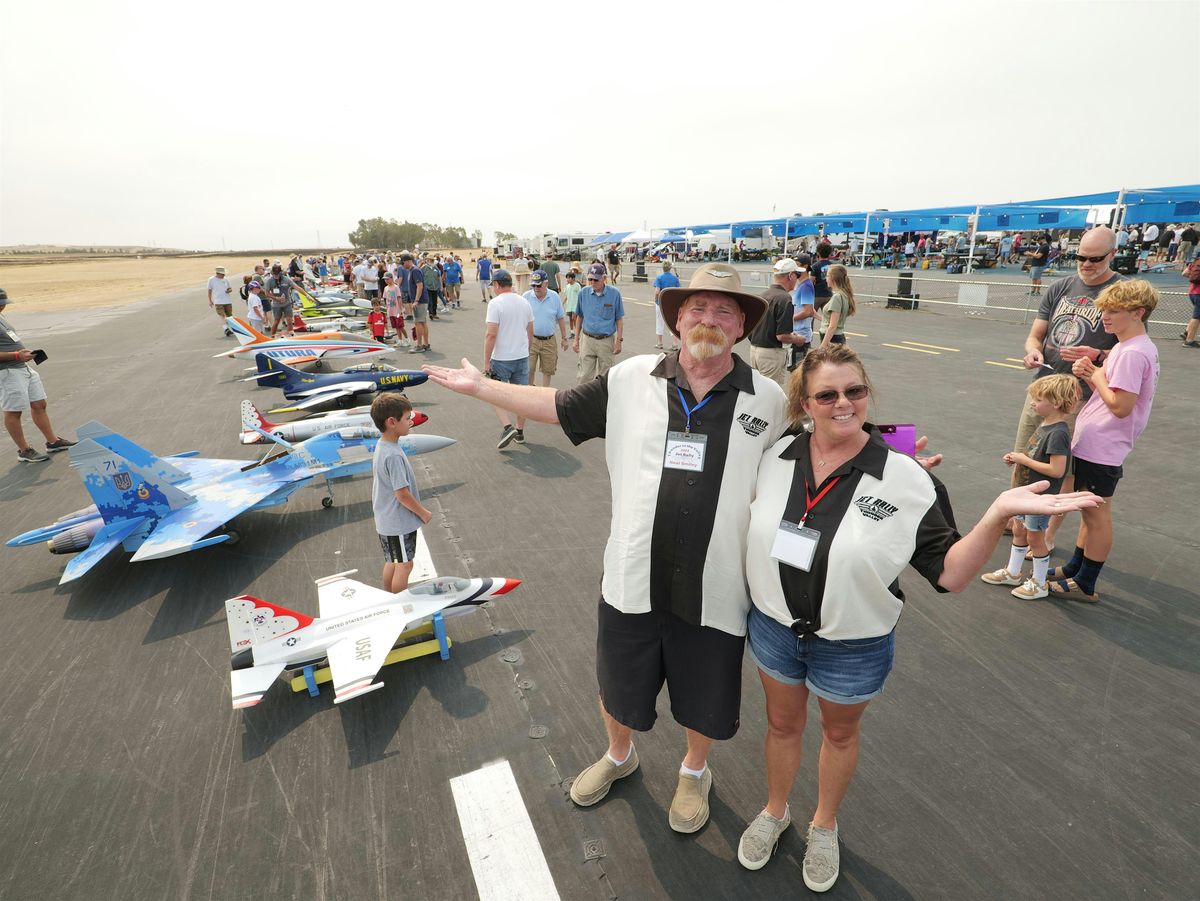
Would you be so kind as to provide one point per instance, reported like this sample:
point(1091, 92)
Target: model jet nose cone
point(509, 585)
point(419, 418)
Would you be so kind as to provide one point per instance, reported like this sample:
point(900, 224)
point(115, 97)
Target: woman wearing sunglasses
point(837, 516)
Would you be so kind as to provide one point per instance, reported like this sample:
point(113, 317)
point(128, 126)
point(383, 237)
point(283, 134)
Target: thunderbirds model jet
point(357, 422)
point(161, 506)
point(358, 627)
point(310, 389)
point(301, 348)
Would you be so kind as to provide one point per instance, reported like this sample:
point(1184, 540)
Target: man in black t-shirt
point(821, 290)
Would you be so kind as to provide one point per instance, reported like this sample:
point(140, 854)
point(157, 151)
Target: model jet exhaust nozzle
point(75, 539)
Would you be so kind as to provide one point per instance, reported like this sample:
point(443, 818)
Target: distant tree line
point(388, 233)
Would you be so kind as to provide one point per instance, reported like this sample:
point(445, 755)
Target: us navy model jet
point(311, 389)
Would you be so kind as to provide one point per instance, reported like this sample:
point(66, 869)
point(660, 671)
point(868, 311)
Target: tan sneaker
point(1002, 577)
point(689, 809)
point(591, 786)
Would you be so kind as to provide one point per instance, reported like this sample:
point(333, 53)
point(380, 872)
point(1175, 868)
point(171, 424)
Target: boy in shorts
point(1108, 425)
point(1048, 457)
point(377, 321)
point(395, 498)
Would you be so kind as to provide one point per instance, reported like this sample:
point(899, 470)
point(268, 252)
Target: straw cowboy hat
point(719, 277)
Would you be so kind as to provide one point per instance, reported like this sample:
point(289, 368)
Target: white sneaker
point(1001, 577)
point(1031, 591)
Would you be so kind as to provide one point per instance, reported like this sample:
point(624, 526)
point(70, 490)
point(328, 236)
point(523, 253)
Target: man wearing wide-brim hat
point(685, 433)
point(220, 297)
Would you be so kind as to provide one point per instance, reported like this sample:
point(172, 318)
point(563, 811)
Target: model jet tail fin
point(252, 421)
point(244, 331)
point(134, 453)
point(252, 620)
point(120, 488)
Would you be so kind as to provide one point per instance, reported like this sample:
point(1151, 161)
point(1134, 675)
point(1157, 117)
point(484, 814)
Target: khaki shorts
point(20, 386)
point(595, 356)
point(224, 309)
point(543, 356)
point(771, 362)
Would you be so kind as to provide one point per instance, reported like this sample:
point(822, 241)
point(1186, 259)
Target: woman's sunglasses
point(854, 392)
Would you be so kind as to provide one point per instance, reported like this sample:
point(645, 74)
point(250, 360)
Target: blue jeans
point(515, 372)
point(846, 671)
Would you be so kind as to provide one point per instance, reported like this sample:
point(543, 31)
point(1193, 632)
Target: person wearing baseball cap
point(601, 324)
point(21, 390)
point(774, 336)
point(220, 298)
point(685, 434)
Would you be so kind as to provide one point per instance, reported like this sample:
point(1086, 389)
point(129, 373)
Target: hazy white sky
point(263, 123)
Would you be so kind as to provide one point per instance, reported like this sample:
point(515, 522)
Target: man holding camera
point(20, 390)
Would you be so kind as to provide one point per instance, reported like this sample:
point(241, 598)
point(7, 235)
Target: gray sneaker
point(506, 437)
point(592, 785)
point(761, 838)
point(821, 862)
point(29, 455)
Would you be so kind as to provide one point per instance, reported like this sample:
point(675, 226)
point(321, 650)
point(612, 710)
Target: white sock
point(690, 772)
point(616, 762)
point(1041, 566)
point(1016, 560)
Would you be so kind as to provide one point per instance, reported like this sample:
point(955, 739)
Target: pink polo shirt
point(1100, 437)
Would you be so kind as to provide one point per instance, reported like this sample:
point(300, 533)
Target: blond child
point(1047, 458)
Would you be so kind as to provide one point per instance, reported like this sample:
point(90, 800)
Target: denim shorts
point(1034, 523)
point(515, 372)
point(847, 671)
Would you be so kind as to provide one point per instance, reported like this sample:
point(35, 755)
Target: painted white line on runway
point(1006, 365)
point(423, 568)
point(858, 334)
point(952, 350)
point(936, 353)
point(506, 856)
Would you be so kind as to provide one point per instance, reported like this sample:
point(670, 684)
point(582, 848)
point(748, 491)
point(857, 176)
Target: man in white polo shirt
point(689, 428)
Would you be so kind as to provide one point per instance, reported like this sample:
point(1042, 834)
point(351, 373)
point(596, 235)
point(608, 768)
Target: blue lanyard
point(688, 411)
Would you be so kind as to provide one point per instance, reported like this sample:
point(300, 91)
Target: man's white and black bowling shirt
point(678, 537)
point(884, 512)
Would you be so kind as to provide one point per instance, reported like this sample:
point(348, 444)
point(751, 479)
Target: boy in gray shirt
point(395, 498)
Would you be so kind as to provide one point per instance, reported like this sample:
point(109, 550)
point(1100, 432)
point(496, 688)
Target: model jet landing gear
point(327, 500)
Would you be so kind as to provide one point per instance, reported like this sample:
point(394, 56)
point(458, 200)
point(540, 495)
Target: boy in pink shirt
point(1108, 425)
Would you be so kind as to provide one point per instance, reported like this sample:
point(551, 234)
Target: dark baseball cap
point(597, 270)
point(502, 277)
point(539, 277)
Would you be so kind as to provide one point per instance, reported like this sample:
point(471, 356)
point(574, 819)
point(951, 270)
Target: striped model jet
point(301, 348)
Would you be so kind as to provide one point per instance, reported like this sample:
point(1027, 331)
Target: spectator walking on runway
point(506, 341)
point(1192, 273)
point(1039, 257)
point(690, 429)
point(840, 306)
point(666, 279)
point(483, 274)
point(412, 294)
point(548, 317)
point(614, 263)
point(1108, 425)
point(21, 391)
point(601, 324)
point(220, 298)
point(772, 337)
point(570, 297)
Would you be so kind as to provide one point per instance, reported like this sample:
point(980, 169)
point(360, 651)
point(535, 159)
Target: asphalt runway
point(1021, 750)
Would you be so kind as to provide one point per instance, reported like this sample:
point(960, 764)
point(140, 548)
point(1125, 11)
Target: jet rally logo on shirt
point(752, 425)
point(874, 508)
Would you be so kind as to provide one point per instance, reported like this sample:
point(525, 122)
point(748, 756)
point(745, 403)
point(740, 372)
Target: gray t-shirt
point(1047, 441)
point(10, 342)
point(392, 471)
point(1068, 306)
point(839, 304)
point(276, 288)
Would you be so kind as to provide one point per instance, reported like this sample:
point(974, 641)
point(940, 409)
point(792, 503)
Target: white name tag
point(13, 335)
point(795, 545)
point(685, 451)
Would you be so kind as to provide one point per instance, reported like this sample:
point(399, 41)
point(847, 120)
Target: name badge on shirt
point(13, 336)
point(685, 450)
point(795, 545)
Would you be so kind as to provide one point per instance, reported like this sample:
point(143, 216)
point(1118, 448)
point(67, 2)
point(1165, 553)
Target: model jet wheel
point(326, 502)
point(234, 536)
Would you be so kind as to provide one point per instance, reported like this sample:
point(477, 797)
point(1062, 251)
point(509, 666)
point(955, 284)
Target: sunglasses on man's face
point(1080, 258)
point(854, 392)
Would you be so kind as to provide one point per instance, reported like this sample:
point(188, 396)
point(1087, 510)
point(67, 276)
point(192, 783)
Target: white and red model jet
point(357, 628)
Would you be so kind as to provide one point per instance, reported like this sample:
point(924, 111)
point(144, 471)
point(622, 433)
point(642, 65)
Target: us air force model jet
point(357, 628)
point(254, 424)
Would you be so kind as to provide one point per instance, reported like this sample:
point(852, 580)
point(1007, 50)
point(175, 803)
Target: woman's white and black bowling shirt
point(882, 514)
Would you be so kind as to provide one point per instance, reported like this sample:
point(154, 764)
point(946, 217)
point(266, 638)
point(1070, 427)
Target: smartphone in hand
point(39, 357)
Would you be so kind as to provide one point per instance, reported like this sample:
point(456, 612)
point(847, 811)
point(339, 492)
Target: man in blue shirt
point(483, 274)
point(452, 270)
point(668, 279)
point(548, 317)
point(602, 320)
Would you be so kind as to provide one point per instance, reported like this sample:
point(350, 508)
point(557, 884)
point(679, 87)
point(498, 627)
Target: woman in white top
point(838, 515)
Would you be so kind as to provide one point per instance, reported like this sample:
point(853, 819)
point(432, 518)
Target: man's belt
point(599, 337)
point(544, 337)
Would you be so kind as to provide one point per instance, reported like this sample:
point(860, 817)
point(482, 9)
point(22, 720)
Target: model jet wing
point(110, 535)
point(337, 595)
point(249, 685)
point(183, 529)
point(316, 396)
point(356, 659)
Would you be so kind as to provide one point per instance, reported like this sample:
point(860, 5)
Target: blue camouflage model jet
point(161, 506)
point(311, 389)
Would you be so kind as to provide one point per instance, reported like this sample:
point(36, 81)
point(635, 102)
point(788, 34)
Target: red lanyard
point(810, 503)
